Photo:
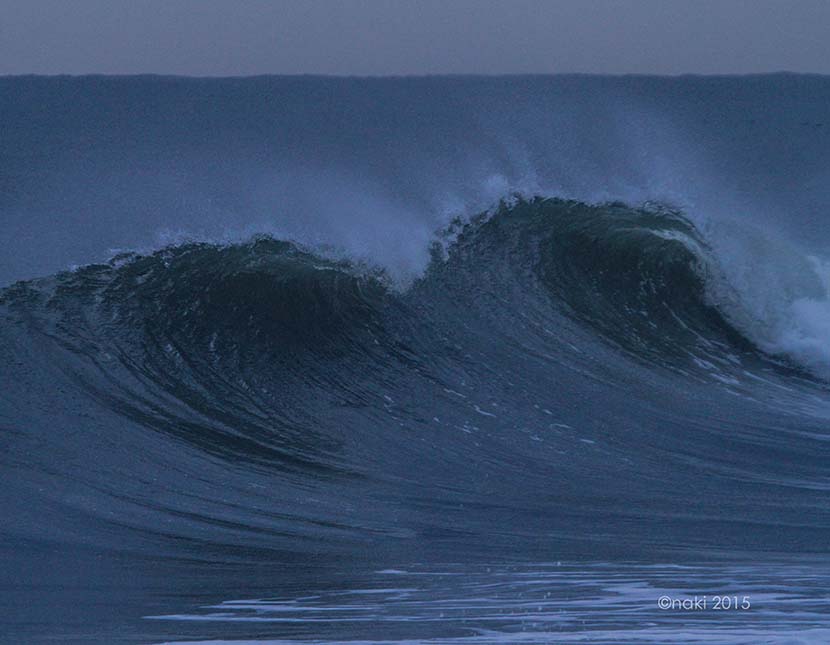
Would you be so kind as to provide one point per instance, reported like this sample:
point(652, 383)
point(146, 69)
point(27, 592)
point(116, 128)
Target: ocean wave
point(363, 324)
point(558, 366)
point(643, 279)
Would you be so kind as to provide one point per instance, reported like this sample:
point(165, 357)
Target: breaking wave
point(621, 360)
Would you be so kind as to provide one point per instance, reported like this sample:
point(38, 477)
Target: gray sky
point(241, 37)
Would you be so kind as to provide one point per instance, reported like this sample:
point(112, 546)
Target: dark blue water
point(457, 360)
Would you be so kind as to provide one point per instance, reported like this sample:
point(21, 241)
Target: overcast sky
point(369, 37)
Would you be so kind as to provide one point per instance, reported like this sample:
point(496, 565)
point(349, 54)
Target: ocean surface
point(432, 360)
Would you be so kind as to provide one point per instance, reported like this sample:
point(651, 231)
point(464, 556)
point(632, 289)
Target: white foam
point(775, 293)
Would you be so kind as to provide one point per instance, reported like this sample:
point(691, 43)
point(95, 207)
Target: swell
point(559, 362)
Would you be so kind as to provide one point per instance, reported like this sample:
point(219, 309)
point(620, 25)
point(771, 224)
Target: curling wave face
point(558, 362)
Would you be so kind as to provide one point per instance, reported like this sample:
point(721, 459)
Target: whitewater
point(444, 359)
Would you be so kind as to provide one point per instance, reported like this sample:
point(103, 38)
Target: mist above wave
point(375, 166)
